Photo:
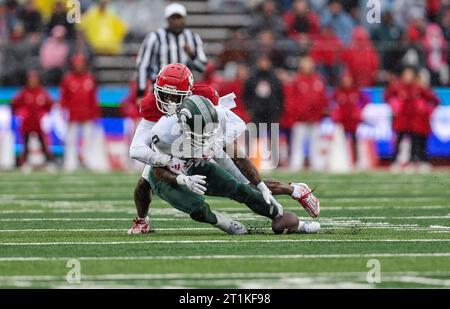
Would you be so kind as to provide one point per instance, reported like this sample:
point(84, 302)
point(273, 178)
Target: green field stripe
point(185, 231)
point(221, 266)
point(107, 211)
point(401, 220)
point(150, 249)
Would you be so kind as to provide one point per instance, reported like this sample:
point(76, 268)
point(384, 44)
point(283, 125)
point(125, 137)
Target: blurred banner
point(376, 126)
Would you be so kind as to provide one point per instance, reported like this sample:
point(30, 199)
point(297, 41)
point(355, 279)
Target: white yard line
point(102, 207)
point(325, 227)
point(248, 216)
point(215, 276)
point(234, 256)
point(213, 241)
point(108, 230)
point(418, 280)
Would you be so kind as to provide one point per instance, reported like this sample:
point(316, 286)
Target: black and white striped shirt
point(161, 48)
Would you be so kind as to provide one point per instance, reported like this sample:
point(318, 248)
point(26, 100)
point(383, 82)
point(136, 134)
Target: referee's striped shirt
point(161, 48)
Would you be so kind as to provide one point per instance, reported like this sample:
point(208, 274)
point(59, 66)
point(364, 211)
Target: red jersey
point(128, 106)
point(307, 101)
point(150, 112)
point(349, 104)
point(361, 58)
point(79, 97)
point(327, 50)
point(32, 104)
point(411, 107)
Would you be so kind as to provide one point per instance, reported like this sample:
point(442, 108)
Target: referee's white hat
point(175, 9)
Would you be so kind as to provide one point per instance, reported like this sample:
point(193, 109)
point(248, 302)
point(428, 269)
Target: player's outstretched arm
point(249, 170)
point(140, 148)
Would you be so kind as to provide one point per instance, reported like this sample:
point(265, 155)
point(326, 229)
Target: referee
point(174, 44)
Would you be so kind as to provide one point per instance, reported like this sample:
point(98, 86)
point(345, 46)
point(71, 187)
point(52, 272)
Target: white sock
point(296, 194)
point(300, 226)
point(144, 220)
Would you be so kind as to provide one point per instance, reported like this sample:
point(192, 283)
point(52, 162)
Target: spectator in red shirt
point(435, 47)
point(421, 128)
point(306, 106)
point(327, 53)
point(433, 8)
point(31, 104)
point(79, 100)
point(361, 58)
point(128, 106)
point(410, 102)
point(349, 101)
point(301, 20)
point(237, 86)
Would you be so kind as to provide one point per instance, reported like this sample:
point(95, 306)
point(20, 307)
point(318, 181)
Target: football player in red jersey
point(174, 83)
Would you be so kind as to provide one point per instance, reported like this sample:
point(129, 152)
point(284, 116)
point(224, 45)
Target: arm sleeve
point(140, 148)
point(143, 62)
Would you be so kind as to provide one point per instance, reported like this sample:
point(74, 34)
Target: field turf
point(402, 221)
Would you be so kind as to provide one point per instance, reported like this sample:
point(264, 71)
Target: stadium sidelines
point(212, 241)
point(234, 256)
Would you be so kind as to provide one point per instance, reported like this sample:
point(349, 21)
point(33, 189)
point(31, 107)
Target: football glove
point(195, 183)
point(268, 197)
point(177, 166)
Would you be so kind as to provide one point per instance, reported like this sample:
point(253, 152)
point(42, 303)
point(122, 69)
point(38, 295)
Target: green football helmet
point(199, 121)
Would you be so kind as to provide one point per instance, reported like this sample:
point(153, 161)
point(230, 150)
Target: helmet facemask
point(168, 99)
point(200, 137)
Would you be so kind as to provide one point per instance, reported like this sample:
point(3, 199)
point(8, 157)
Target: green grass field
point(401, 221)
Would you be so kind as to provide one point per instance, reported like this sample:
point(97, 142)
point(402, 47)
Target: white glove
point(177, 166)
point(268, 197)
point(195, 183)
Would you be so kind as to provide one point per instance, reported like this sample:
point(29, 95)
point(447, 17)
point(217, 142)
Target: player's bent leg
point(142, 200)
point(299, 192)
point(223, 184)
point(193, 204)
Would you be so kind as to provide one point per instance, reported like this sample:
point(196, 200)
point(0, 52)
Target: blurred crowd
point(299, 48)
point(280, 66)
point(45, 35)
point(342, 35)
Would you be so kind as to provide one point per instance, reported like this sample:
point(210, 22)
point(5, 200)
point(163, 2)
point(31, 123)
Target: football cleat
point(308, 227)
point(237, 228)
point(228, 225)
point(140, 226)
point(304, 195)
